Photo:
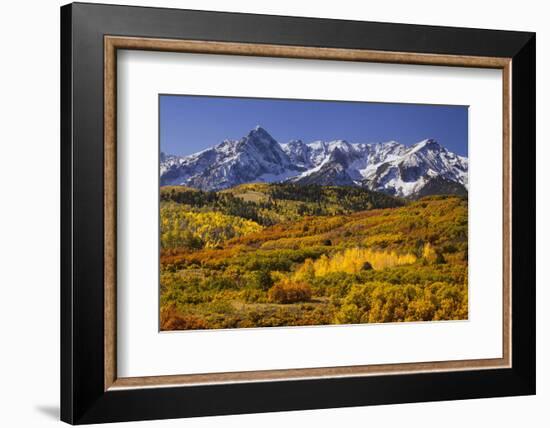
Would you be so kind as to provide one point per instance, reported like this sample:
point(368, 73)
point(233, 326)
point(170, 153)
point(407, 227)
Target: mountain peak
point(429, 143)
point(261, 139)
point(259, 132)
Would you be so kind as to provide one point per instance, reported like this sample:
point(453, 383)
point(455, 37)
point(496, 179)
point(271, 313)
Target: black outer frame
point(83, 399)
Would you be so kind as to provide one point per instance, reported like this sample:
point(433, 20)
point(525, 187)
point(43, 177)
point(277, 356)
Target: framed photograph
point(265, 213)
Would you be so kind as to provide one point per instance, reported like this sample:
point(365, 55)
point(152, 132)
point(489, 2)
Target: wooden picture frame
point(91, 390)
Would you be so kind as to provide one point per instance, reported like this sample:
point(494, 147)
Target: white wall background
point(29, 213)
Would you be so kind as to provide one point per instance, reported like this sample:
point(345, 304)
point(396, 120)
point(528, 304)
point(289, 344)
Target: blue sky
point(189, 124)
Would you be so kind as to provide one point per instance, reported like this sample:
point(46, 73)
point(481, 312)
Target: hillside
point(277, 255)
point(269, 204)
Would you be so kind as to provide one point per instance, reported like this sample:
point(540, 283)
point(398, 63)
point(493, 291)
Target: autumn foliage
point(287, 291)
point(354, 260)
point(264, 255)
point(171, 319)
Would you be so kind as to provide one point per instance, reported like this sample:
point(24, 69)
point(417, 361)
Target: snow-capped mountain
point(389, 167)
point(256, 157)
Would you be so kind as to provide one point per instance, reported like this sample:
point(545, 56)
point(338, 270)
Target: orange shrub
point(171, 319)
point(289, 292)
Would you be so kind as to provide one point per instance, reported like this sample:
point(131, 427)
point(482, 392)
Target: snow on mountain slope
point(413, 168)
point(387, 167)
point(256, 157)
